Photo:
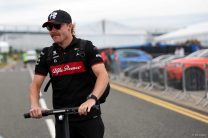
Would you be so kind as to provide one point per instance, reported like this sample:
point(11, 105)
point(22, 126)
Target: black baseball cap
point(58, 17)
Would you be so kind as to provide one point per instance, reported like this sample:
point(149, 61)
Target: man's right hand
point(36, 112)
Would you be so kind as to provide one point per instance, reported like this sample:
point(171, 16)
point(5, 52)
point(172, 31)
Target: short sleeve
point(41, 67)
point(93, 54)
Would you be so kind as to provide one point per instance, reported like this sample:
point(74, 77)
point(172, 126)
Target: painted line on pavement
point(159, 102)
point(49, 122)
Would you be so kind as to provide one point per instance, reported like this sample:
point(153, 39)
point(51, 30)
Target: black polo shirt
point(70, 68)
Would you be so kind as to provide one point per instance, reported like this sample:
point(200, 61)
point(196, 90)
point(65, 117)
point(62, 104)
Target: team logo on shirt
point(41, 54)
point(79, 52)
point(98, 55)
point(54, 53)
point(55, 56)
point(68, 68)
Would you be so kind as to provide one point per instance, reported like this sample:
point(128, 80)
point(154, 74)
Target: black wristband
point(93, 97)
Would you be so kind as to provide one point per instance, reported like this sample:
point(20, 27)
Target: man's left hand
point(85, 107)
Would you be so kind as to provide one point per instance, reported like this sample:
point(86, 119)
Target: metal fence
point(182, 81)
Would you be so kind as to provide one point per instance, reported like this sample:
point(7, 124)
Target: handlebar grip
point(44, 113)
point(27, 115)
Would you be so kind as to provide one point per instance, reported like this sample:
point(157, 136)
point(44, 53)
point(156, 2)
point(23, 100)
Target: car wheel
point(194, 79)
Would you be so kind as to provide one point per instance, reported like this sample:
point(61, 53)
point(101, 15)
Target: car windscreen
point(200, 53)
point(130, 54)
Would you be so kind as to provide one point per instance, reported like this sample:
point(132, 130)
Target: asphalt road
point(124, 116)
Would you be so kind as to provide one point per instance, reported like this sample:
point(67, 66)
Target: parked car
point(158, 67)
point(191, 68)
point(152, 69)
point(30, 56)
point(131, 57)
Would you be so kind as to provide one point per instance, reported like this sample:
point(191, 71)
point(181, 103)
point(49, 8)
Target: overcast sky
point(35, 12)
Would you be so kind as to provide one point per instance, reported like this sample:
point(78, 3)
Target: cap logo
point(52, 16)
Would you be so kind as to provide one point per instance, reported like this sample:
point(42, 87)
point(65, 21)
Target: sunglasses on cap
point(56, 26)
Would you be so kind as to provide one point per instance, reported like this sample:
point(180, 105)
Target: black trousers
point(92, 128)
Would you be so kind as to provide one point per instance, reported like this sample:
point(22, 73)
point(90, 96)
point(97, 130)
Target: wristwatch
point(91, 96)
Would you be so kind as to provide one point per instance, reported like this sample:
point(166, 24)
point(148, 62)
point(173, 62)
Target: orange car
point(192, 68)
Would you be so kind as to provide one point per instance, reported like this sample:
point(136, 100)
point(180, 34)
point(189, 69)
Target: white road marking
point(49, 122)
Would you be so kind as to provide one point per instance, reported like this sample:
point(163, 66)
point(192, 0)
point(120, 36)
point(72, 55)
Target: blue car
point(132, 57)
